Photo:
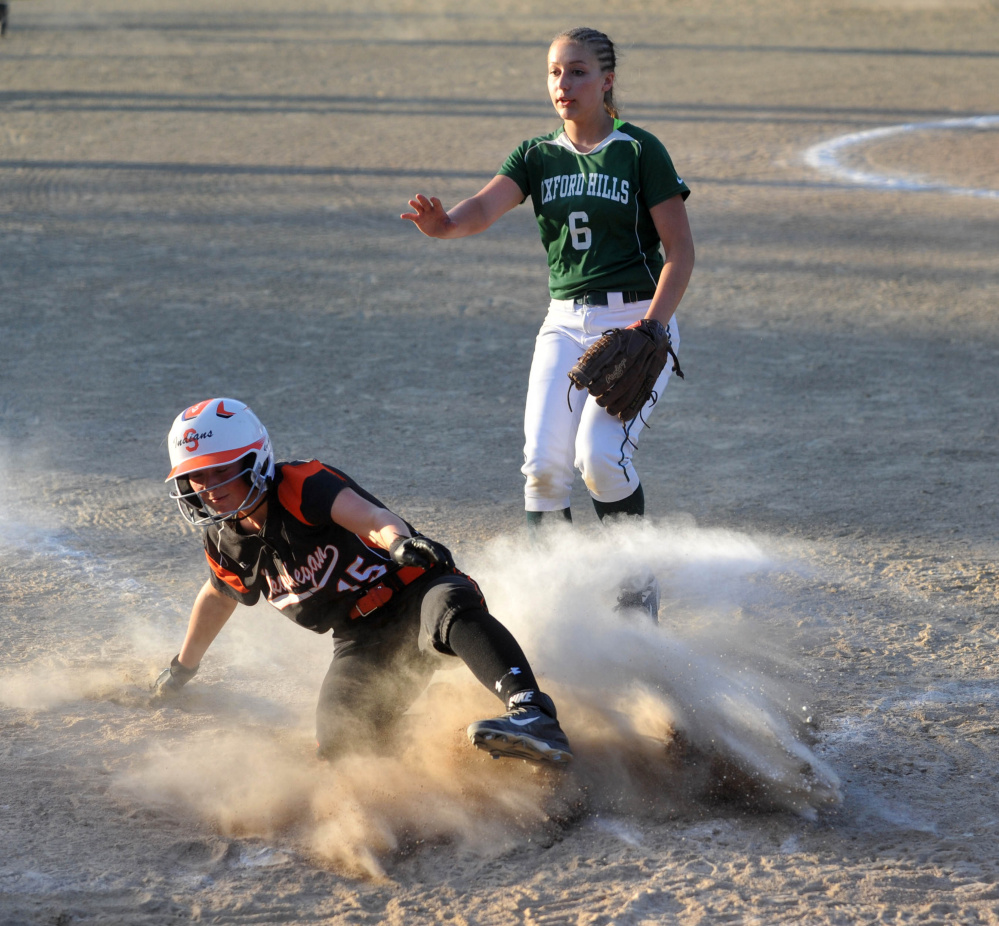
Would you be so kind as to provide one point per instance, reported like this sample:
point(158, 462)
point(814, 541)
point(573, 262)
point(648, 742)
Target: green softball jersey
point(593, 209)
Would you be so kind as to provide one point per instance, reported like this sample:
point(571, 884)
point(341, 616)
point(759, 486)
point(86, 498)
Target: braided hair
point(602, 48)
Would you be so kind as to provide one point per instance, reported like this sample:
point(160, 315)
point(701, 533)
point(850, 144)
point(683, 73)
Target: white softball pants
point(564, 427)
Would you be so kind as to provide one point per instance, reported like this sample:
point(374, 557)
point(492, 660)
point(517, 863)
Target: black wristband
point(395, 544)
point(657, 328)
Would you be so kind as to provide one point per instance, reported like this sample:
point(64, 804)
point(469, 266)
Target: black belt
point(631, 295)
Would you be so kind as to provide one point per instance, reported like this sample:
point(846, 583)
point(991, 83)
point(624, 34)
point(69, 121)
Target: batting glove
point(420, 551)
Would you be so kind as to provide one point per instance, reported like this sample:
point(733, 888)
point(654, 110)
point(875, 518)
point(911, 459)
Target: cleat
point(522, 733)
point(640, 593)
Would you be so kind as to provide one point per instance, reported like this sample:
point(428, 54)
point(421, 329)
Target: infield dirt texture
point(202, 199)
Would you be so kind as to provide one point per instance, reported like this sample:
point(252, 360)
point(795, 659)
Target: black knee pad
point(445, 599)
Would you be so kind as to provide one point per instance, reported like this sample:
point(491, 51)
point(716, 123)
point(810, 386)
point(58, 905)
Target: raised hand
point(429, 216)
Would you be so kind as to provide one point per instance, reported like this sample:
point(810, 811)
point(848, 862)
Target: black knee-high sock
point(492, 653)
point(534, 518)
point(633, 505)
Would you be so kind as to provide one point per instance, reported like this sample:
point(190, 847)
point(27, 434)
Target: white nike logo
point(523, 723)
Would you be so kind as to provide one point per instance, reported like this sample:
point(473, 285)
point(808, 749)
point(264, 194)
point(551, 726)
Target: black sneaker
point(522, 733)
point(643, 594)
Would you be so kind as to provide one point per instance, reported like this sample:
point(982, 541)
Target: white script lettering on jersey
point(599, 185)
point(285, 589)
point(290, 588)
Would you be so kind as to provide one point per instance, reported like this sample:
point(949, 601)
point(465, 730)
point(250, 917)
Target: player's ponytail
point(603, 49)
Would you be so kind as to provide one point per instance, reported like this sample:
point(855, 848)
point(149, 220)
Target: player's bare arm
point(382, 527)
point(359, 516)
point(670, 218)
point(208, 616)
point(470, 216)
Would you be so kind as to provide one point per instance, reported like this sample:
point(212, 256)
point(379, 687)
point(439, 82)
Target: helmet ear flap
point(255, 467)
point(187, 494)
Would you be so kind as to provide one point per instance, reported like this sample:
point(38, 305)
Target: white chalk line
point(825, 157)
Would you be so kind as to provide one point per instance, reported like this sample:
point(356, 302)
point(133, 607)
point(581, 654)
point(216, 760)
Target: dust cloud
point(703, 706)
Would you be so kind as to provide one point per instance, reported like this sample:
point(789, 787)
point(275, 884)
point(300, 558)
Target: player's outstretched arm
point(208, 616)
point(361, 517)
point(387, 530)
point(470, 216)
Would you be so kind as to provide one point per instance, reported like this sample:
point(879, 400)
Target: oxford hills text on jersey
point(600, 185)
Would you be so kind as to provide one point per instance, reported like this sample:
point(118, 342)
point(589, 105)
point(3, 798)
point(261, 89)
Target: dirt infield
point(200, 202)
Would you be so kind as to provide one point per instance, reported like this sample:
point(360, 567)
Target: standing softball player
point(610, 209)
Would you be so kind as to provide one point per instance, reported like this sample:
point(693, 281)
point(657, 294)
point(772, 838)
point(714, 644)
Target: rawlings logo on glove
point(620, 370)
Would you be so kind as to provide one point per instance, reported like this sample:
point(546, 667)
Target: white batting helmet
point(214, 433)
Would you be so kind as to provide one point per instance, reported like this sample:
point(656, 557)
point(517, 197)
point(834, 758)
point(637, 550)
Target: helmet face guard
point(197, 512)
point(213, 434)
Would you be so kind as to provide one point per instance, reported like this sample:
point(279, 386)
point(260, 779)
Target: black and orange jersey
point(309, 567)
